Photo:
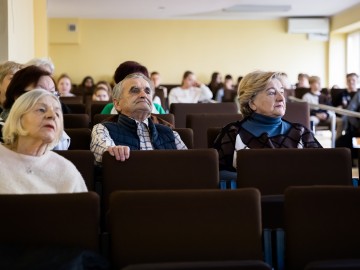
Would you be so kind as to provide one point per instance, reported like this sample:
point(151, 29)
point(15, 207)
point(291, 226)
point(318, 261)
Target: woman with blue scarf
point(262, 103)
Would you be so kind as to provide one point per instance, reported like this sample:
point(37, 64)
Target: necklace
point(26, 163)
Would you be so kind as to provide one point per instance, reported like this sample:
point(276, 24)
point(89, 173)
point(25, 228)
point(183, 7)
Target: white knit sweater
point(49, 173)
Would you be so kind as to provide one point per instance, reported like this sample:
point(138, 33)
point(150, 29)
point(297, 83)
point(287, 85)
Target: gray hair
point(43, 62)
point(25, 103)
point(252, 84)
point(119, 87)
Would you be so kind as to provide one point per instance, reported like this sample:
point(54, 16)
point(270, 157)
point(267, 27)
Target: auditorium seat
point(298, 112)
point(76, 107)
point(193, 226)
point(187, 136)
point(84, 161)
point(180, 110)
point(68, 220)
point(76, 120)
point(278, 169)
point(80, 138)
point(200, 123)
point(72, 100)
point(161, 169)
point(322, 228)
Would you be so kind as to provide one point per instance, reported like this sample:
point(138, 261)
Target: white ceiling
point(191, 9)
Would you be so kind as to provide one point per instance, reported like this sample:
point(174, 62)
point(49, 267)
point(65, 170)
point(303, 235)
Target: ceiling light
point(258, 8)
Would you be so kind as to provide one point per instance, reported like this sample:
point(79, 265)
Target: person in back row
point(133, 128)
point(7, 71)
point(262, 103)
point(190, 91)
point(34, 126)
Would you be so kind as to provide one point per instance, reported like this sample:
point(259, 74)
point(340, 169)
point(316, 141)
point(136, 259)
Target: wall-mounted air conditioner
point(309, 25)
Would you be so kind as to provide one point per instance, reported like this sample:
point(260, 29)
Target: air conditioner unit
point(308, 25)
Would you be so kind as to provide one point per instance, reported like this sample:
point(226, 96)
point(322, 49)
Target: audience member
point(64, 86)
point(34, 126)
point(303, 81)
point(87, 86)
point(7, 71)
point(132, 128)
point(100, 94)
point(227, 86)
point(215, 83)
point(25, 80)
point(351, 124)
point(44, 62)
point(316, 97)
point(156, 80)
point(262, 103)
point(124, 69)
point(106, 85)
point(343, 99)
point(190, 91)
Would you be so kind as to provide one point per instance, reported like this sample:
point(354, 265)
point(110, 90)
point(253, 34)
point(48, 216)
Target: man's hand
point(120, 152)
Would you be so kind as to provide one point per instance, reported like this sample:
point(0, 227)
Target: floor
point(324, 137)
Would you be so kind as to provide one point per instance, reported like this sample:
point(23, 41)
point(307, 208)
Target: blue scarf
point(258, 124)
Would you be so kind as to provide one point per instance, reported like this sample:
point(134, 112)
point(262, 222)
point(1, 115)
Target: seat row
point(187, 229)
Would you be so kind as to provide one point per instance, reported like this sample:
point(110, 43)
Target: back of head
point(28, 76)
point(8, 67)
point(127, 68)
point(314, 79)
point(13, 126)
point(43, 62)
point(252, 84)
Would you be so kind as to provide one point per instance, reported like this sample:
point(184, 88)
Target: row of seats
point(189, 229)
point(199, 168)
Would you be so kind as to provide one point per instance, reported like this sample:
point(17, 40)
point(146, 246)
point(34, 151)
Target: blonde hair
point(13, 127)
point(314, 79)
point(252, 84)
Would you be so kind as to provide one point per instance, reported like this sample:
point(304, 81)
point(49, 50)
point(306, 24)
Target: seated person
point(190, 91)
point(303, 81)
point(26, 80)
point(132, 128)
point(227, 86)
point(7, 71)
point(100, 94)
point(124, 69)
point(262, 103)
point(343, 99)
point(351, 124)
point(316, 97)
point(64, 86)
point(34, 126)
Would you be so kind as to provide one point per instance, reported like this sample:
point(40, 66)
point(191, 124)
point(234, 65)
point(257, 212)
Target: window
point(353, 52)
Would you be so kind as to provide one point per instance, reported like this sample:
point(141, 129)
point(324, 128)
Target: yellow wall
point(173, 46)
point(40, 28)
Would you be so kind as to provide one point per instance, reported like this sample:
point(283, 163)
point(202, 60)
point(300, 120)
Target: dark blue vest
point(124, 132)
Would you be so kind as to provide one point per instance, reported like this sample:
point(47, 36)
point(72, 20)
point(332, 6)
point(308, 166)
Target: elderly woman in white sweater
point(33, 127)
